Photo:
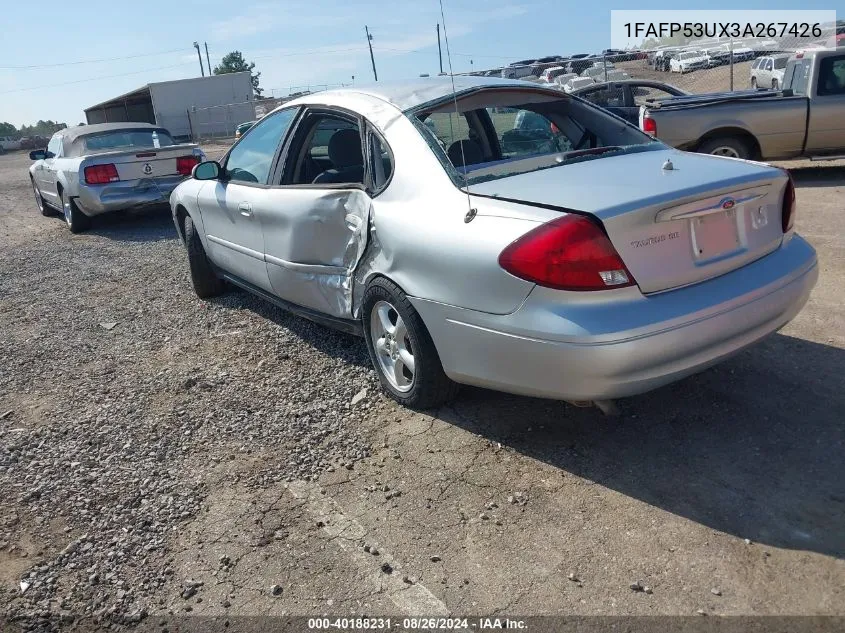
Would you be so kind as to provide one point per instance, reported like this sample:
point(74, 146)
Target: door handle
point(246, 209)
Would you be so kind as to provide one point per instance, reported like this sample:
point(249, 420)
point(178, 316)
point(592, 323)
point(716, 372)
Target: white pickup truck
point(93, 169)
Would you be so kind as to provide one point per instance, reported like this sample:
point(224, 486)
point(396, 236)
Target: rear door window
point(796, 77)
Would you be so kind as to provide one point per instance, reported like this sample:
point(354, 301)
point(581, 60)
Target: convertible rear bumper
point(126, 194)
point(620, 343)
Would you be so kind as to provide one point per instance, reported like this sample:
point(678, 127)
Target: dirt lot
point(163, 455)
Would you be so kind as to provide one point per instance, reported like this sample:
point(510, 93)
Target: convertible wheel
point(76, 221)
point(401, 349)
point(206, 282)
point(39, 200)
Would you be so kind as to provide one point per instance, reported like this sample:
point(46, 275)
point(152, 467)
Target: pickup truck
point(805, 119)
point(93, 169)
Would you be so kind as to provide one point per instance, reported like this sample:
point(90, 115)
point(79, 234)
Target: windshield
point(128, 139)
point(500, 133)
point(780, 62)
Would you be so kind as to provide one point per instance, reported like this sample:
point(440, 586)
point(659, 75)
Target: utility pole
point(370, 44)
point(208, 61)
point(439, 51)
point(199, 56)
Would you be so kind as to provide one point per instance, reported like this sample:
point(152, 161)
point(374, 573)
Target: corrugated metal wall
point(172, 100)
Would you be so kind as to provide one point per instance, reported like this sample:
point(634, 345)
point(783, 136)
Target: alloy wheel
point(725, 151)
point(394, 352)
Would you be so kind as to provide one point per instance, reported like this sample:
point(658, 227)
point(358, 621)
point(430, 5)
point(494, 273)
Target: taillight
point(570, 253)
point(649, 125)
point(184, 164)
point(787, 218)
point(101, 174)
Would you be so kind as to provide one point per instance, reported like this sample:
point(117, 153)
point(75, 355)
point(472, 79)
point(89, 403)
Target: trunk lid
point(139, 163)
point(703, 218)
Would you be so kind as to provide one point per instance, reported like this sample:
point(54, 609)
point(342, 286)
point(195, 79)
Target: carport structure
point(136, 105)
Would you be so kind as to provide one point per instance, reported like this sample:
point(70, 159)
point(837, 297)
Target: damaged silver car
point(579, 259)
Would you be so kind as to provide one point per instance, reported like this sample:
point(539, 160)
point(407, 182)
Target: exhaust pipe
point(608, 407)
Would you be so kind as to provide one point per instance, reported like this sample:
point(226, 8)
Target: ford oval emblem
point(728, 203)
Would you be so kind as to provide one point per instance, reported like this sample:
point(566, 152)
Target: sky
point(87, 53)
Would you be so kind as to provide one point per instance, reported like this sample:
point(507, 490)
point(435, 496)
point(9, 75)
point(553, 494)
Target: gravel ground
point(164, 455)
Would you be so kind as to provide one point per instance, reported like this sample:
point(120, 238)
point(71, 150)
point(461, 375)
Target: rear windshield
point(494, 134)
point(128, 139)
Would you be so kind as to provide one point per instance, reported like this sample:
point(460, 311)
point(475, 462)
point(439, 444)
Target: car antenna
point(470, 212)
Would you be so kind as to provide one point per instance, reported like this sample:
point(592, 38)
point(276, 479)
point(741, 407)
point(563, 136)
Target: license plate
point(715, 234)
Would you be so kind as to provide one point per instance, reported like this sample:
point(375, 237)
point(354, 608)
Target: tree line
point(41, 128)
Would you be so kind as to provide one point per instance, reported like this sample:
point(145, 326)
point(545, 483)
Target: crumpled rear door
point(313, 240)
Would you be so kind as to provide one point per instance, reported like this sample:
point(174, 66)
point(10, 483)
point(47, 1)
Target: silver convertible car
point(581, 260)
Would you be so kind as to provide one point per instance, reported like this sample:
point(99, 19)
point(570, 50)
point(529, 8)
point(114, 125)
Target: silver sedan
point(576, 259)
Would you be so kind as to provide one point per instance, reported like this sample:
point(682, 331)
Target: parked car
point(580, 64)
point(687, 61)
point(241, 129)
point(717, 57)
point(805, 120)
point(767, 72)
point(624, 97)
point(549, 74)
point(516, 72)
point(579, 283)
point(93, 169)
point(578, 82)
point(565, 78)
point(8, 144)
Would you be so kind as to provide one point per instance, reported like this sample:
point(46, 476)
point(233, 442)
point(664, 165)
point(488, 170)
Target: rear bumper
point(97, 199)
point(621, 343)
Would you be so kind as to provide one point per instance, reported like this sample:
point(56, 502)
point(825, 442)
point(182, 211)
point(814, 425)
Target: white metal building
point(174, 105)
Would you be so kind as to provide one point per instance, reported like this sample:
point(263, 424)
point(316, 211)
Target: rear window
point(494, 134)
point(128, 139)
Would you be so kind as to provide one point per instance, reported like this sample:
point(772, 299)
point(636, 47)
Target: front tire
point(401, 349)
point(206, 282)
point(76, 221)
point(754, 83)
point(774, 84)
point(39, 201)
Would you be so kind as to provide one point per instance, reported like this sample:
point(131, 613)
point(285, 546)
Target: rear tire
point(206, 282)
point(726, 146)
point(774, 84)
point(424, 384)
point(76, 221)
point(754, 83)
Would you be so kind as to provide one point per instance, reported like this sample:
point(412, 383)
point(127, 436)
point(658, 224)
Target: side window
point(796, 77)
point(768, 64)
point(606, 97)
point(755, 65)
point(330, 152)
point(524, 132)
point(832, 76)
point(642, 94)
point(381, 162)
point(252, 158)
point(54, 147)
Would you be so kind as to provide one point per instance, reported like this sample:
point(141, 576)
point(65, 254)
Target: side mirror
point(209, 170)
point(38, 154)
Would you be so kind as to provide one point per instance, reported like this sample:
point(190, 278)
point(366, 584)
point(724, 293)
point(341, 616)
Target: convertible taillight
point(570, 253)
point(649, 125)
point(101, 174)
point(787, 218)
point(184, 164)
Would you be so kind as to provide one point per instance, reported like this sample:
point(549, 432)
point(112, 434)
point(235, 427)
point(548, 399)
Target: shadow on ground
point(818, 176)
point(349, 348)
point(143, 225)
point(753, 447)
